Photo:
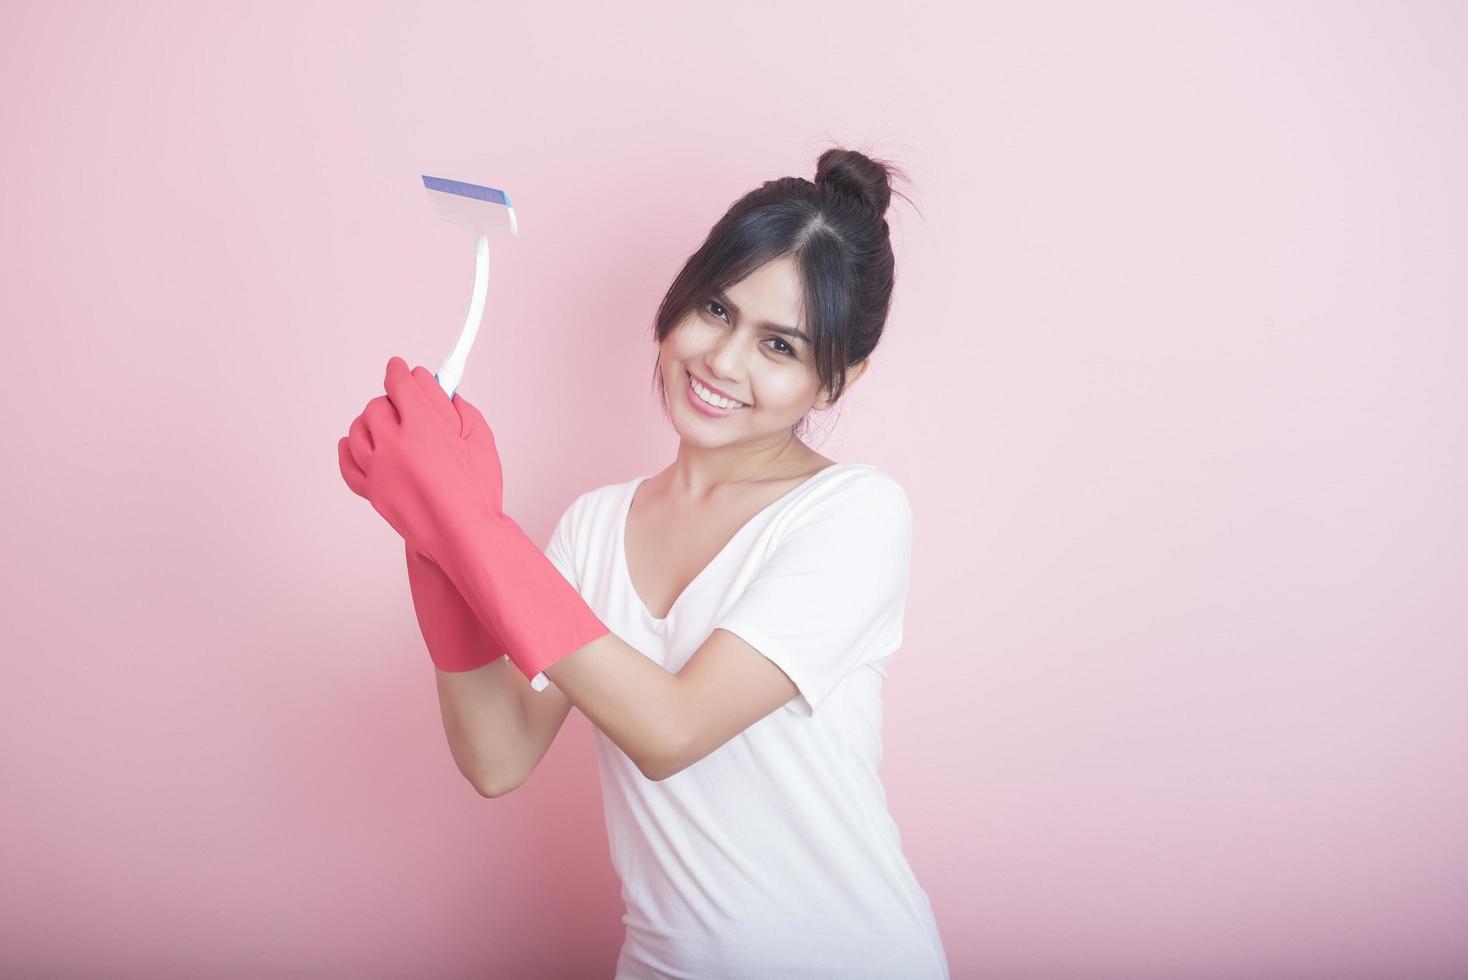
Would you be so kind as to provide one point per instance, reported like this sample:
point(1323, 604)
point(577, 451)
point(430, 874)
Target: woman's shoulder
point(866, 480)
point(847, 496)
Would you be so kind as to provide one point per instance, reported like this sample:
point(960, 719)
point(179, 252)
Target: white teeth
point(715, 400)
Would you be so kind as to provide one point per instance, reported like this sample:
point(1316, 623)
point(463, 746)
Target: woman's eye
point(718, 310)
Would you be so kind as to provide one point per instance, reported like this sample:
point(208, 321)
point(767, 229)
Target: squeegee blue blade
point(461, 189)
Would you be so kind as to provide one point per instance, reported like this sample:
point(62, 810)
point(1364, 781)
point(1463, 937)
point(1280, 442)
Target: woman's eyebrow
point(777, 328)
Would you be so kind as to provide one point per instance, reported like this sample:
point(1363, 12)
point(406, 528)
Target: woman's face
point(731, 343)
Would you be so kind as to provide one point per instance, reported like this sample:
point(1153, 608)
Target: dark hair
point(834, 230)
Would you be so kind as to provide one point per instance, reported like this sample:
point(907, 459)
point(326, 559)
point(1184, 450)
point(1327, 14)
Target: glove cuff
point(524, 600)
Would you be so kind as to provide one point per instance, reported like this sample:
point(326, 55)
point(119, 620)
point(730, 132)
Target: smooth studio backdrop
point(1174, 379)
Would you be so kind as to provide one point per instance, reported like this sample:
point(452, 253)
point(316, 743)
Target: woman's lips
point(705, 407)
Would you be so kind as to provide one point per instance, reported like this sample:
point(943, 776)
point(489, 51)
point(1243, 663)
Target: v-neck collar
point(627, 567)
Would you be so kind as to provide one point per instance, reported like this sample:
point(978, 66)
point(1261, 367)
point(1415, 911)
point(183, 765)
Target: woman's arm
point(499, 727)
point(634, 701)
point(487, 728)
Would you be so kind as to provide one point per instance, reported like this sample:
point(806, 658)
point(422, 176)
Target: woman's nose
point(727, 355)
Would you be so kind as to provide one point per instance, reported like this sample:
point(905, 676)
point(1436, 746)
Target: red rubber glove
point(417, 469)
point(456, 639)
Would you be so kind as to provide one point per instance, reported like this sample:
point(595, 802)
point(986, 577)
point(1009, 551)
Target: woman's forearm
point(633, 700)
point(485, 724)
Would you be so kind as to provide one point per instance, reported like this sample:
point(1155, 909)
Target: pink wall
point(1174, 379)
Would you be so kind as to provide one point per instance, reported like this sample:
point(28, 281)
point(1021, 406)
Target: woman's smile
point(698, 395)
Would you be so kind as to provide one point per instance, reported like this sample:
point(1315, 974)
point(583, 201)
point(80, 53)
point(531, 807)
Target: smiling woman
point(745, 814)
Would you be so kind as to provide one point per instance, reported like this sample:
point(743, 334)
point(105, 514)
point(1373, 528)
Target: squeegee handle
point(452, 371)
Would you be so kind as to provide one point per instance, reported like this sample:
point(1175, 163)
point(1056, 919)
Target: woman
point(725, 623)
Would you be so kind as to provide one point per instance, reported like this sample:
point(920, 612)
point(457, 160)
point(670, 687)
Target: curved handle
point(452, 371)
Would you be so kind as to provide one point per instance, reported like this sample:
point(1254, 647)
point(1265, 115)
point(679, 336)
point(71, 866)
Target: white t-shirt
point(774, 856)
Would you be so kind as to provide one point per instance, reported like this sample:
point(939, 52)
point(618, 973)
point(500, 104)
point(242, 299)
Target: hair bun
point(856, 175)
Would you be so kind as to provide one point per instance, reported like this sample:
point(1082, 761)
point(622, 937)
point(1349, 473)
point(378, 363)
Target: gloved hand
point(414, 466)
point(417, 469)
point(456, 639)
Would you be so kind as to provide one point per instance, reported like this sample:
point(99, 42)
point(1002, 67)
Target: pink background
point(1174, 379)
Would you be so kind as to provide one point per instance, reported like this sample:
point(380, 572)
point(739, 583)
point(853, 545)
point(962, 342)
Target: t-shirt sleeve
point(830, 595)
